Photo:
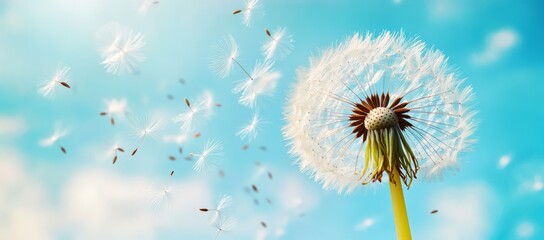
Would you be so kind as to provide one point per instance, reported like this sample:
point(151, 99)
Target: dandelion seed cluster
point(375, 105)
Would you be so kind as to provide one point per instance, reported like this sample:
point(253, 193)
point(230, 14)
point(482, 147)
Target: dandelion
point(224, 203)
point(163, 198)
point(196, 114)
point(251, 11)
point(145, 5)
point(121, 53)
point(224, 224)
point(262, 81)
point(58, 133)
point(279, 43)
point(224, 55)
point(250, 130)
point(209, 156)
point(115, 107)
point(376, 105)
point(61, 77)
point(144, 127)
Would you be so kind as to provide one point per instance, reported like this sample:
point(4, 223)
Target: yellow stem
point(399, 208)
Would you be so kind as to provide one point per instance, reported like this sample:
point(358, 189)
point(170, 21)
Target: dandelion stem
point(399, 208)
point(243, 69)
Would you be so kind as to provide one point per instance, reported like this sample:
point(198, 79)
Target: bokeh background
point(45, 194)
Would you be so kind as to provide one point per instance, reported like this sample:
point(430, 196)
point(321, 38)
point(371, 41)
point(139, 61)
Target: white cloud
point(525, 229)
point(24, 206)
point(100, 204)
point(12, 126)
point(464, 213)
point(497, 45)
point(504, 161)
point(445, 9)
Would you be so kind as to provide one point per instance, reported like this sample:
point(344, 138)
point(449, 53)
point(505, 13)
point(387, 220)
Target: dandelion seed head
point(279, 43)
point(224, 55)
point(47, 89)
point(208, 158)
point(375, 105)
point(58, 133)
point(197, 115)
point(262, 82)
point(122, 48)
point(251, 129)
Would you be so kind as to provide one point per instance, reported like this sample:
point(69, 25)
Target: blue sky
point(46, 194)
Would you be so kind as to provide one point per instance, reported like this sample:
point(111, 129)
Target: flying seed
point(269, 201)
point(256, 201)
point(120, 149)
point(112, 121)
point(270, 175)
point(197, 135)
point(65, 84)
point(180, 150)
point(170, 97)
point(245, 147)
point(171, 158)
point(171, 173)
point(203, 209)
point(134, 152)
point(263, 148)
point(218, 105)
point(434, 211)
point(187, 103)
point(182, 81)
point(221, 173)
point(263, 224)
point(103, 113)
point(63, 149)
point(114, 160)
point(267, 32)
point(236, 12)
point(255, 188)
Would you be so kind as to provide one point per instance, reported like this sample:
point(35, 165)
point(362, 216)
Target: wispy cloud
point(504, 161)
point(497, 45)
point(365, 224)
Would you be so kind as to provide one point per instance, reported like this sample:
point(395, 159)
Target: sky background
point(45, 194)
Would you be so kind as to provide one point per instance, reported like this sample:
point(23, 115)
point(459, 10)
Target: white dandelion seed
point(250, 130)
point(60, 78)
point(224, 224)
point(378, 104)
point(261, 82)
point(253, 10)
point(163, 197)
point(224, 55)
point(209, 157)
point(223, 204)
point(196, 114)
point(144, 127)
point(122, 51)
point(145, 5)
point(58, 133)
point(278, 43)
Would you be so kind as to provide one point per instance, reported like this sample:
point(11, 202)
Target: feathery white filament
point(209, 156)
point(262, 81)
point(122, 53)
point(224, 55)
point(279, 43)
point(196, 116)
point(47, 89)
point(251, 129)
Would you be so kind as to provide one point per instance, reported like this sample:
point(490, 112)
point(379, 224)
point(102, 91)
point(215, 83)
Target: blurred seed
point(263, 224)
point(197, 135)
point(65, 84)
point(189, 158)
point(171, 158)
point(434, 211)
point(270, 175)
point(180, 150)
point(182, 81)
point(170, 97)
point(268, 32)
point(203, 209)
point(221, 173)
point(120, 149)
point(63, 149)
point(263, 148)
point(236, 12)
point(269, 201)
point(187, 103)
point(256, 201)
point(255, 188)
point(134, 152)
point(112, 121)
point(171, 173)
point(218, 105)
point(103, 113)
point(245, 147)
point(114, 159)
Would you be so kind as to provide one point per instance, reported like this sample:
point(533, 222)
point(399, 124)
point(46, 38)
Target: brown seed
point(267, 32)
point(114, 159)
point(171, 173)
point(63, 149)
point(263, 224)
point(245, 147)
point(112, 121)
point(171, 158)
point(221, 173)
point(187, 103)
point(434, 211)
point(203, 209)
point(120, 149)
point(103, 113)
point(270, 175)
point(197, 135)
point(218, 105)
point(65, 84)
point(134, 152)
point(236, 12)
point(255, 188)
